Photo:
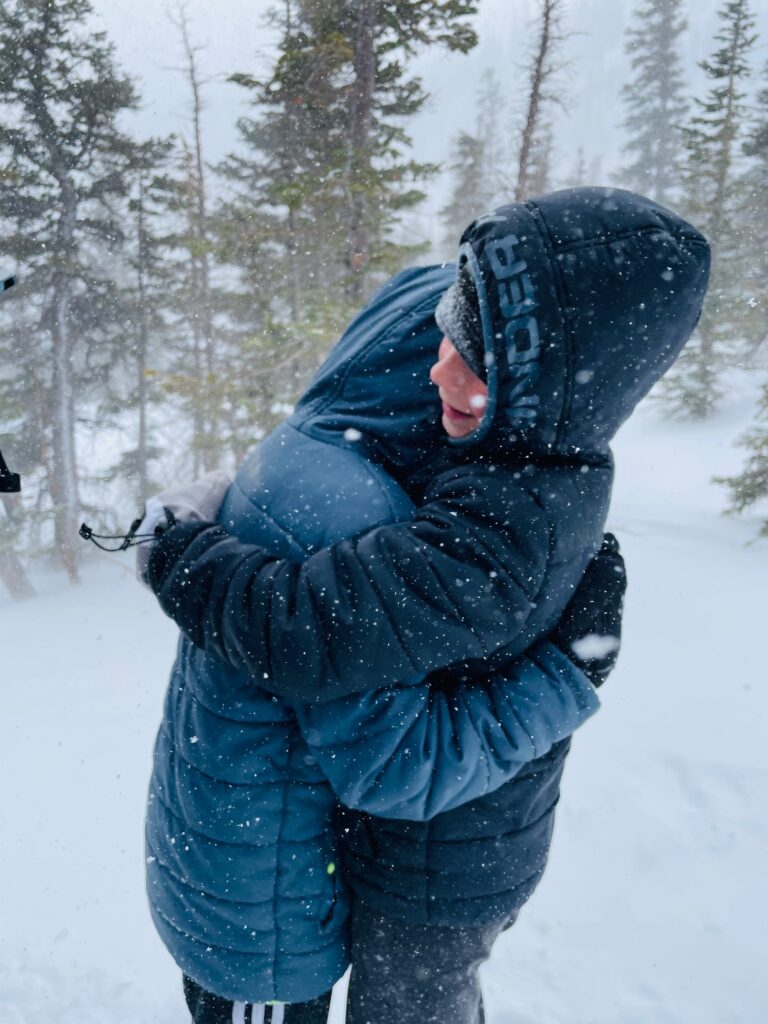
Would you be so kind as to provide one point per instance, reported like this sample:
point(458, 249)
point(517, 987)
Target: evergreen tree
point(325, 159)
point(578, 173)
point(12, 571)
point(479, 173)
point(751, 485)
point(492, 108)
point(753, 223)
point(540, 165)
point(61, 95)
point(381, 97)
point(714, 195)
point(147, 303)
point(467, 170)
point(655, 102)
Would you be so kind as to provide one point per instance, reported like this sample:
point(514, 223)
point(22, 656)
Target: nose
point(449, 371)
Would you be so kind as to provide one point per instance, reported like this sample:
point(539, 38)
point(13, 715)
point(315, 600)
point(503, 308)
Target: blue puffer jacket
point(586, 298)
point(240, 829)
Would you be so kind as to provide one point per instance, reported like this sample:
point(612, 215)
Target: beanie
point(458, 317)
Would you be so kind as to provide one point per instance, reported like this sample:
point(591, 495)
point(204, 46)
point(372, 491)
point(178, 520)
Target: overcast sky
point(235, 39)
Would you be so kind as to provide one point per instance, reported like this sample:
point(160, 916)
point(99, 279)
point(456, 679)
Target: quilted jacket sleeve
point(456, 582)
point(413, 752)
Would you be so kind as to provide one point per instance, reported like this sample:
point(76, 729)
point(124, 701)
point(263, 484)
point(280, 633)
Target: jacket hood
point(373, 392)
point(586, 298)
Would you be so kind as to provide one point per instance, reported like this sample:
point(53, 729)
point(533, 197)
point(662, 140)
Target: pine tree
point(326, 154)
point(655, 102)
point(61, 95)
point(578, 174)
point(753, 224)
point(12, 571)
point(492, 107)
point(467, 170)
point(751, 485)
point(148, 317)
point(540, 166)
point(479, 173)
point(713, 196)
point(381, 98)
point(283, 225)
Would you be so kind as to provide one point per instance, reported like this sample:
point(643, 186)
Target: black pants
point(416, 974)
point(207, 1008)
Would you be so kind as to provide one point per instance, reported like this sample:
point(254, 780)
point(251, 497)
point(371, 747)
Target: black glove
point(589, 631)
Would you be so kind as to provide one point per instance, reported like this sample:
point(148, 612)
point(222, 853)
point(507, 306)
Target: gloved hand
point(589, 630)
point(196, 502)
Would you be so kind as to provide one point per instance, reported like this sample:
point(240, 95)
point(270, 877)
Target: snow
point(654, 904)
point(593, 645)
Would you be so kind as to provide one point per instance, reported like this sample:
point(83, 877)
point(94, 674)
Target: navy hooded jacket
point(586, 297)
point(241, 831)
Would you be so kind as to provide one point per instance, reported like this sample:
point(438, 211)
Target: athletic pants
point(207, 1008)
point(416, 974)
point(401, 974)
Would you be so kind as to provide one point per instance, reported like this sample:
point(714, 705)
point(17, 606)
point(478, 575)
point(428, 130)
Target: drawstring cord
point(131, 539)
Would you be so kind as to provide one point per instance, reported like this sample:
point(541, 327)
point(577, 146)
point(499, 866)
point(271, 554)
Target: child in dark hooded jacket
point(240, 825)
point(584, 299)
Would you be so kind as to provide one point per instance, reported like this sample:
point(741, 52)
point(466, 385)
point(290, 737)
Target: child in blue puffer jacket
point(579, 302)
point(240, 826)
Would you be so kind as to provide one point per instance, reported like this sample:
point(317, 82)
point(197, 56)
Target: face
point(463, 394)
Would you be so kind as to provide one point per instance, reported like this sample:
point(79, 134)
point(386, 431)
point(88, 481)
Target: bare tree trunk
point(142, 391)
point(541, 70)
point(295, 269)
point(63, 480)
point(12, 570)
point(361, 118)
point(65, 483)
point(198, 391)
point(14, 576)
point(199, 223)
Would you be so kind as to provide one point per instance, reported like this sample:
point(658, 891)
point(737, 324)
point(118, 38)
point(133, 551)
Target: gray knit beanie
point(458, 317)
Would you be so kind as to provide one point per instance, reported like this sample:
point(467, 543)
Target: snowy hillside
point(654, 906)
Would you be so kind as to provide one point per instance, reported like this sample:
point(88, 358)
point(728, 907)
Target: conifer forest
point(473, 619)
point(169, 307)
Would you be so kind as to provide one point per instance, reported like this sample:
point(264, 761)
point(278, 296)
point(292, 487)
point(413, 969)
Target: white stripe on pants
point(258, 1013)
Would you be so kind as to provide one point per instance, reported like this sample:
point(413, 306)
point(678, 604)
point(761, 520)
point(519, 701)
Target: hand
point(196, 502)
point(589, 630)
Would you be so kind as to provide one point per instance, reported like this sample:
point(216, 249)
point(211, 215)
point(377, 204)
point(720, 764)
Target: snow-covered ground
point(654, 907)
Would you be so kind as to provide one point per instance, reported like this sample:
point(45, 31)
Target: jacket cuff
point(169, 549)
